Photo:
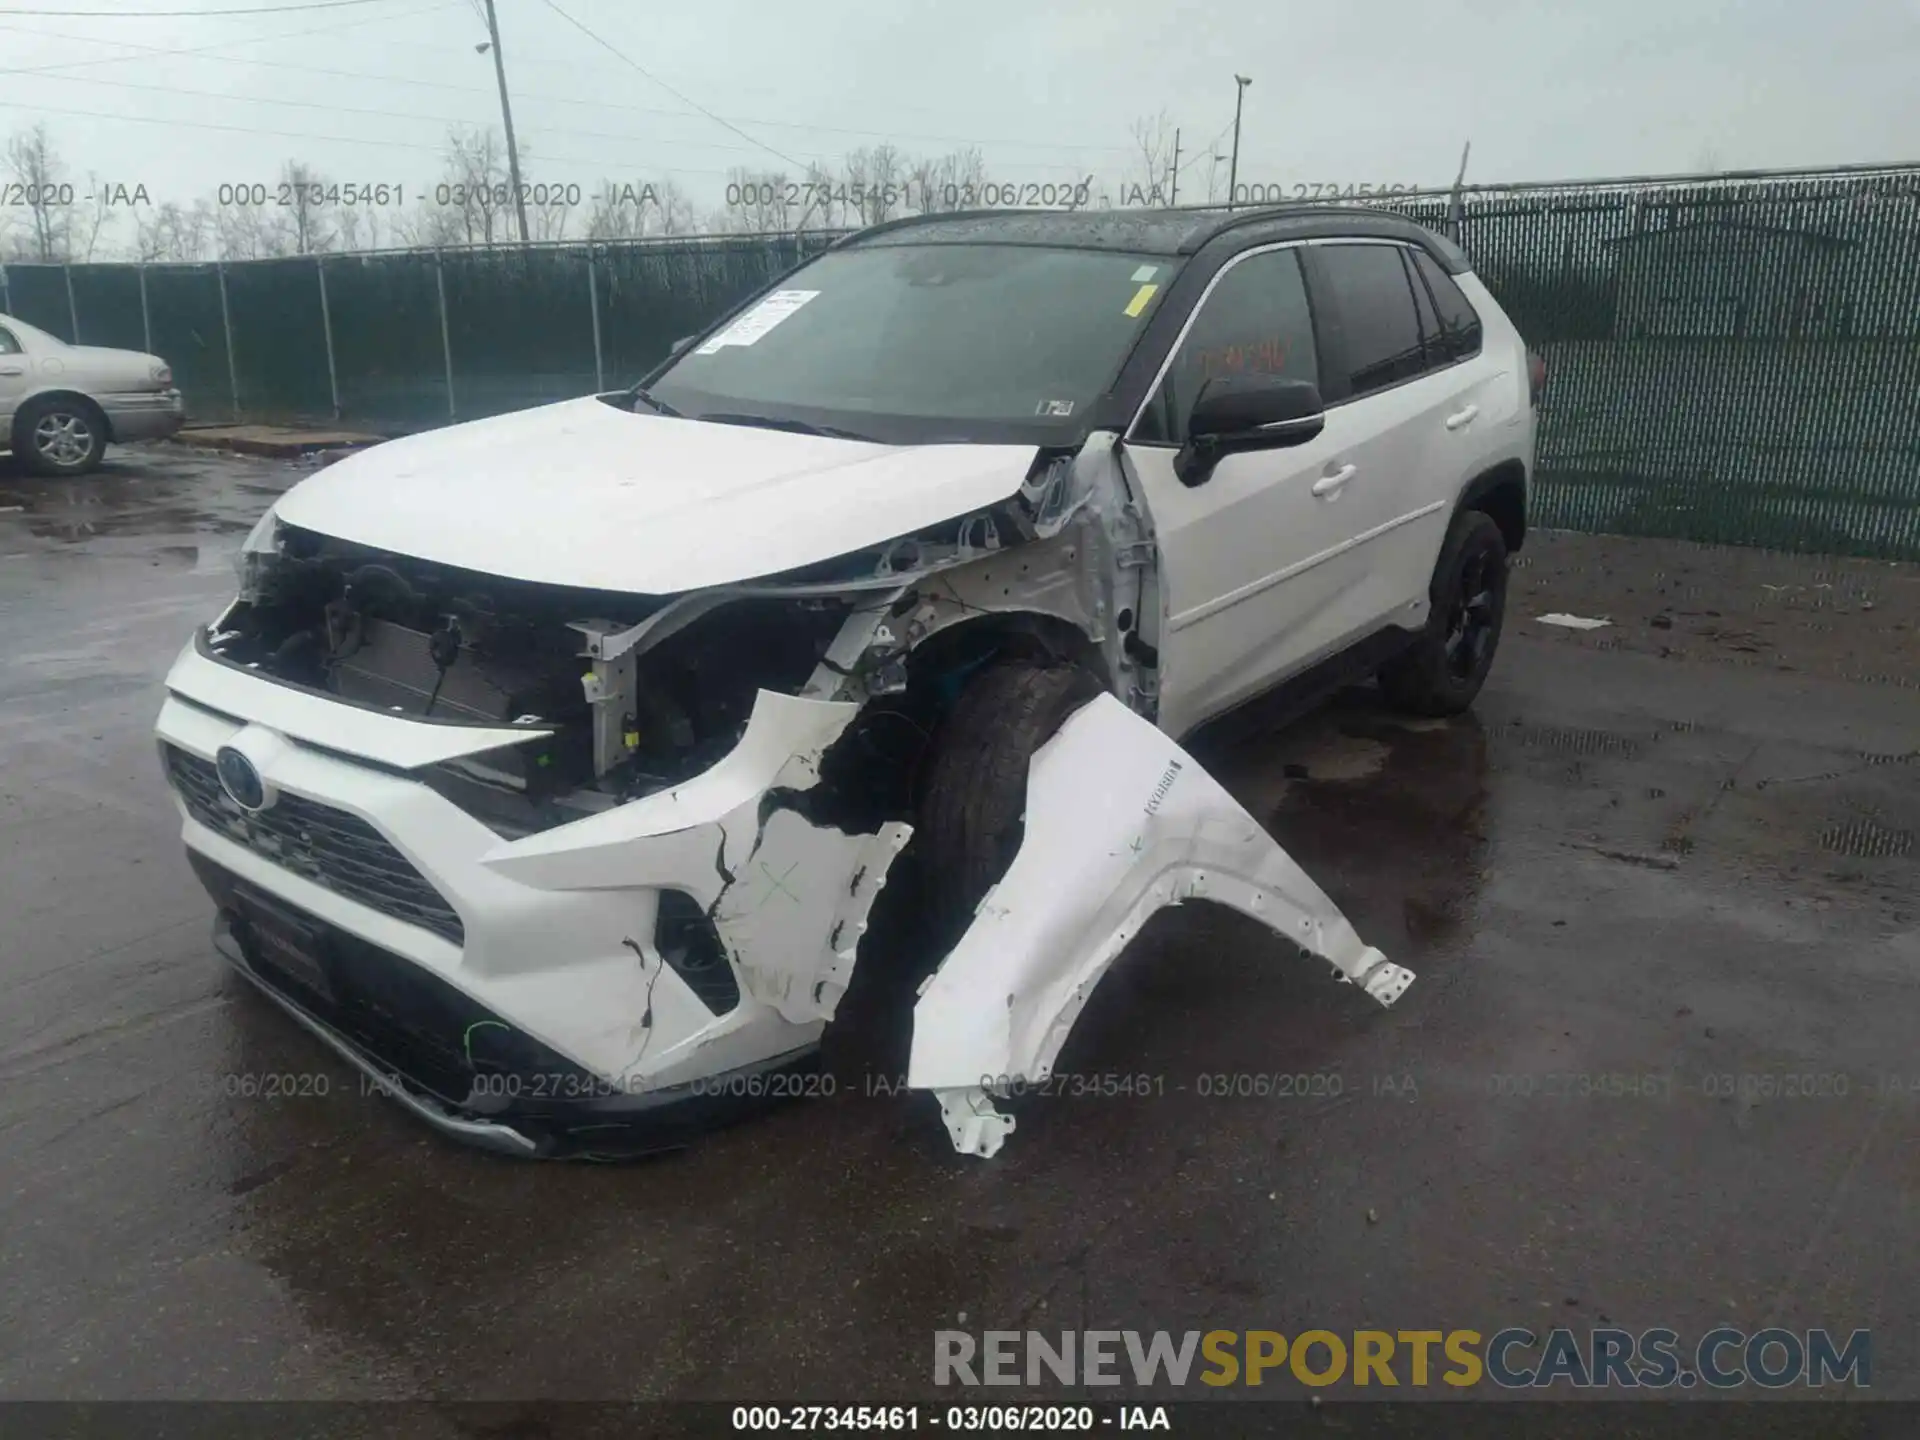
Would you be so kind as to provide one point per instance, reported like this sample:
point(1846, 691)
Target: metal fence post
point(226, 327)
point(73, 311)
point(593, 302)
point(326, 328)
point(146, 319)
point(446, 339)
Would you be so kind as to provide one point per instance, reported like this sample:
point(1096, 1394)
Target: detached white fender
point(1120, 822)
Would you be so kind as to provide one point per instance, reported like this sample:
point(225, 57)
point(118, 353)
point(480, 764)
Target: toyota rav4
point(548, 766)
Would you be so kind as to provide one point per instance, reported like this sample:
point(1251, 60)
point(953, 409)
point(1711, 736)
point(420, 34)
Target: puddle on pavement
point(109, 504)
point(1387, 814)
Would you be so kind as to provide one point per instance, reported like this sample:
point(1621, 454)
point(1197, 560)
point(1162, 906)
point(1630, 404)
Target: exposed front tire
point(1443, 671)
point(59, 436)
point(973, 806)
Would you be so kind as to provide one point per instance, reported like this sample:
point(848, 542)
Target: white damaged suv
point(548, 766)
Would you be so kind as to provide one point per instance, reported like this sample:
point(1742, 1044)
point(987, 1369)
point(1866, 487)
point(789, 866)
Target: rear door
point(14, 375)
point(1404, 399)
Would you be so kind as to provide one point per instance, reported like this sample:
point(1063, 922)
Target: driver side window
point(1256, 322)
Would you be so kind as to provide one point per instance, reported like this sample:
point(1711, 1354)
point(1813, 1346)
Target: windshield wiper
point(641, 396)
point(798, 427)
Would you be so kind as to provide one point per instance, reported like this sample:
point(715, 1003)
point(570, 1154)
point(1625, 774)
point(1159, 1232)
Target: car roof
point(32, 331)
point(1154, 232)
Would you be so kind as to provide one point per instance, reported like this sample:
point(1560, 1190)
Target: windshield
point(922, 343)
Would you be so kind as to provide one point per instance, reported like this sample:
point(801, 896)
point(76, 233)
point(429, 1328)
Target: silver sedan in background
point(60, 404)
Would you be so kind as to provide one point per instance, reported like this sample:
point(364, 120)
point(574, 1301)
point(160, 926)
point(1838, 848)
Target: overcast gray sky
point(1379, 93)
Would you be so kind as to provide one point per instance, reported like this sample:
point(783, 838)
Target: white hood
point(581, 493)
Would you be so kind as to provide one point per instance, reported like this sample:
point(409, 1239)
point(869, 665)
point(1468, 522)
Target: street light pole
point(506, 119)
point(1240, 83)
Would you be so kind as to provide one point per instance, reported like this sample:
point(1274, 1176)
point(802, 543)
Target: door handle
point(13, 369)
point(1330, 484)
point(1462, 418)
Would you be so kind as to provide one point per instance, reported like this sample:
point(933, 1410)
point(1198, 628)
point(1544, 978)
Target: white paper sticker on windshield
point(1054, 407)
point(759, 320)
point(1145, 273)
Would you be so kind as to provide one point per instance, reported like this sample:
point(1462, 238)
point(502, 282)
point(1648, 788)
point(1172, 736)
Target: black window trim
point(1317, 281)
point(1480, 324)
point(1128, 434)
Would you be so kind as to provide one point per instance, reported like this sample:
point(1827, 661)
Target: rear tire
point(1444, 670)
point(55, 435)
point(973, 808)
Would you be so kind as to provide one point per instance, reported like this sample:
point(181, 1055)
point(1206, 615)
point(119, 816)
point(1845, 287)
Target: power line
point(187, 14)
point(150, 51)
point(201, 52)
point(683, 99)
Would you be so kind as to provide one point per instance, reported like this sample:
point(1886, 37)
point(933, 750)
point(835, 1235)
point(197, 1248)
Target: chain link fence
point(1733, 359)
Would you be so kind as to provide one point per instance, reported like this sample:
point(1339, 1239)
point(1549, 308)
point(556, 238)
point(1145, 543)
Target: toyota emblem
point(240, 779)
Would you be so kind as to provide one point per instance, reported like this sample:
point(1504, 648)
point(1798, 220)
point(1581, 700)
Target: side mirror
point(680, 344)
point(1247, 412)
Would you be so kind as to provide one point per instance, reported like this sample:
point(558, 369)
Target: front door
point(1258, 574)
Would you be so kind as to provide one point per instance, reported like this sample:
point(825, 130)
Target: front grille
point(401, 1015)
point(317, 842)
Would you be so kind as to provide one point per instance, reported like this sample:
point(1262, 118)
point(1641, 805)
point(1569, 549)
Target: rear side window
point(1459, 324)
point(8, 345)
point(1256, 322)
point(1372, 294)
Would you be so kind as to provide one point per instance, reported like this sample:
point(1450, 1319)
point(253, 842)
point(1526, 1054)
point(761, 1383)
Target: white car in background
point(60, 404)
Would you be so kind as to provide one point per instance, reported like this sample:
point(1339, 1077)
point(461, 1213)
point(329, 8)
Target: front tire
point(973, 808)
point(1444, 670)
point(59, 436)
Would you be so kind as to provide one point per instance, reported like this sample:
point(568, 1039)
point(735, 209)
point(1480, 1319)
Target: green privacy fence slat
point(183, 301)
point(1729, 361)
point(520, 326)
point(37, 294)
point(108, 296)
point(385, 311)
point(279, 344)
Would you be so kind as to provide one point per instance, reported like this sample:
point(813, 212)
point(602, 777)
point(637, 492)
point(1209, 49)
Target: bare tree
point(45, 193)
point(824, 201)
point(627, 211)
point(245, 231)
point(473, 202)
point(953, 181)
point(876, 180)
point(357, 227)
point(1148, 179)
point(173, 233)
point(760, 202)
point(308, 224)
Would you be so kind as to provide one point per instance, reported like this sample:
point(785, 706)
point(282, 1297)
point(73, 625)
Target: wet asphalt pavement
point(1674, 867)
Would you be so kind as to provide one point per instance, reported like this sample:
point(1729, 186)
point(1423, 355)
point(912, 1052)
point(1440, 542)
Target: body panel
point(1121, 822)
point(585, 494)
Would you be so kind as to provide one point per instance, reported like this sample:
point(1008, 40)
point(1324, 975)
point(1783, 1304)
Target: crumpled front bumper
point(512, 993)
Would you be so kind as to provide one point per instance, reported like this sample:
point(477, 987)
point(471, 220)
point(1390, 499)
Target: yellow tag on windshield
point(1140, 299)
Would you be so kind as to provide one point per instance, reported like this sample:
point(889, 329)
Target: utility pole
point(506, 119)
point(1173, 186)
point(1240, 83)
point(1453, 204)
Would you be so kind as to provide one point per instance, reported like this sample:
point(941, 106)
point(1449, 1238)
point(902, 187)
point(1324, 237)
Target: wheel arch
point(78, 398)
point(1500, 492)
